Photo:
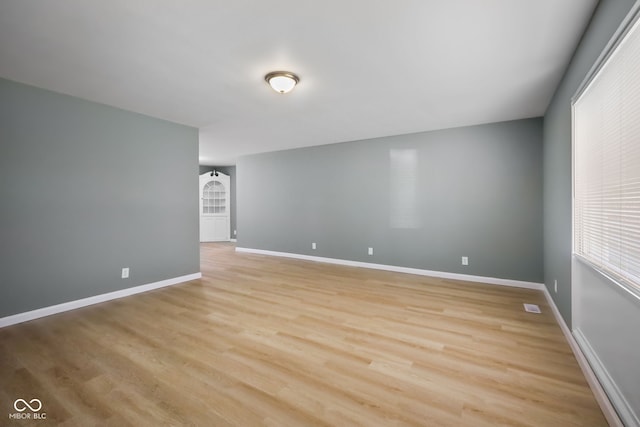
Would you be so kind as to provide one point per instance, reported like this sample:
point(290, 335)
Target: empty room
point(296, 213)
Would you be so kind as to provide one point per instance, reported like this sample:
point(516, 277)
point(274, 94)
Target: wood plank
point(264, 341)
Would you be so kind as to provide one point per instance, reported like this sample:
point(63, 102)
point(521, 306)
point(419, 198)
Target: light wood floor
point(277, 342)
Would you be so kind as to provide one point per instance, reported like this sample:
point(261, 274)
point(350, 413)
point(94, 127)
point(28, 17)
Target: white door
point(214, 207)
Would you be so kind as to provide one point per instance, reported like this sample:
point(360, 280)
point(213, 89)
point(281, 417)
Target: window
point(214, 199)
point(606, 164)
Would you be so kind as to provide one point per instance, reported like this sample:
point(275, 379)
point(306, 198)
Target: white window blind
point(606, 205)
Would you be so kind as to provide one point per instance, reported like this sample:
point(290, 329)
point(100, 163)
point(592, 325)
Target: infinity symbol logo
point(26, 405)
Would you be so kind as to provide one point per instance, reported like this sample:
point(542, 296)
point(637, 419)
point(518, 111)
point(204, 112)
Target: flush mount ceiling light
point(282, 81)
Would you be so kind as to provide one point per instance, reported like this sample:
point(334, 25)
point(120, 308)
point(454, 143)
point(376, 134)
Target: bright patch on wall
point(403, 167)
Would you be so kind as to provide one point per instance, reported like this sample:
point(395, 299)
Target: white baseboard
point(233, 240)
point(408, 270)
point(598, 391)
point(613, 392)
point(72, 305)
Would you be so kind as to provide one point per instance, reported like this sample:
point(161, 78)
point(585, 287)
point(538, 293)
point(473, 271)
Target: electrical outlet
point(370, 252)
point(555, 286)
point(465, 260)
point(235, 233)
point(313, 245)
point(125, 273)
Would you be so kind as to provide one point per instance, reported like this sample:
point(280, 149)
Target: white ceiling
point(368, 68)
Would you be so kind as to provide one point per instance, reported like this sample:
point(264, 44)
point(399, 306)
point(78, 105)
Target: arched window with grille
point(214, 198)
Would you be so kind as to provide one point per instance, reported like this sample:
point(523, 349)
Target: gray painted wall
point(477, 192)
point(557, 151)
point(231, 171)
point(87, 189)
point(606, 317)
